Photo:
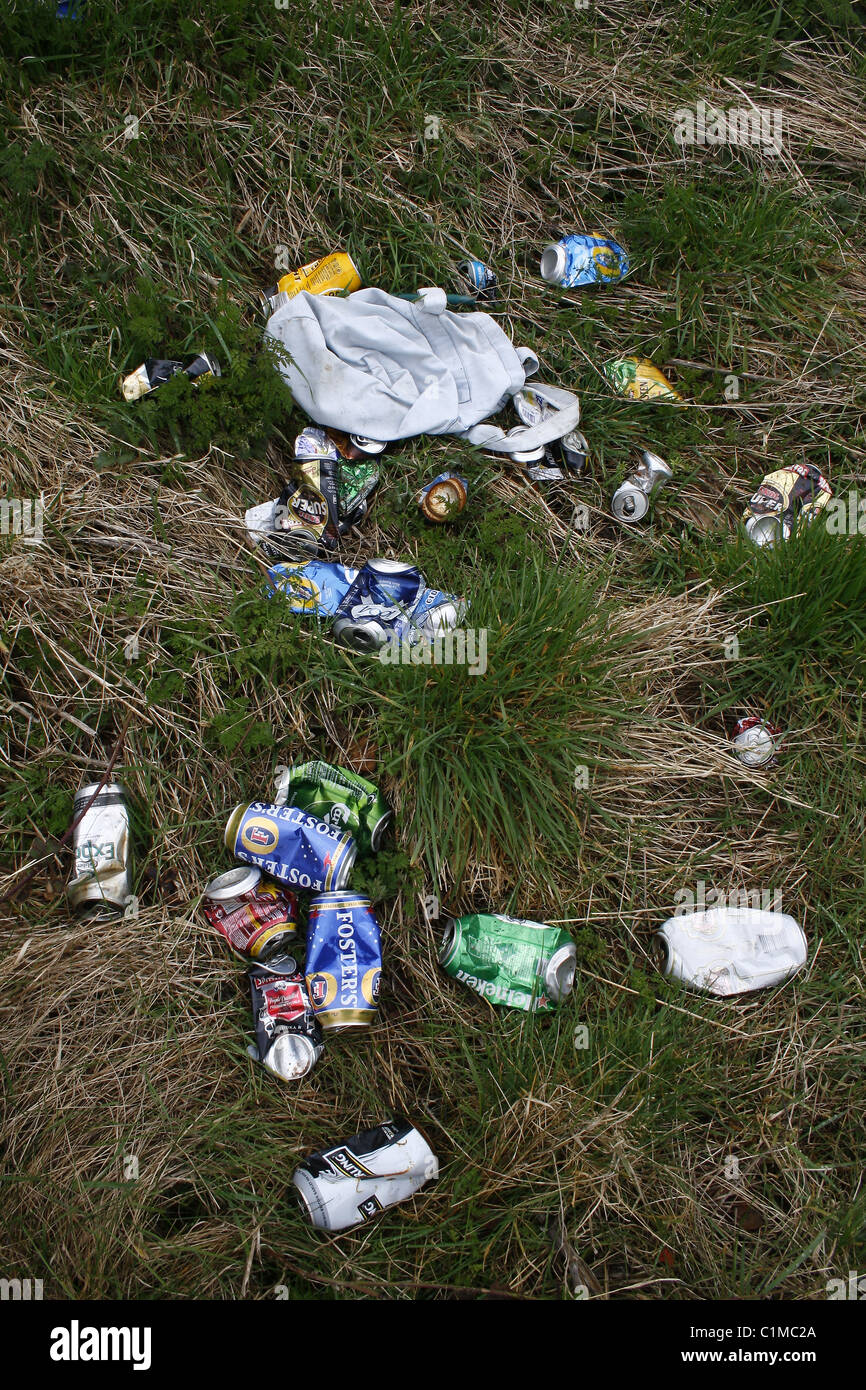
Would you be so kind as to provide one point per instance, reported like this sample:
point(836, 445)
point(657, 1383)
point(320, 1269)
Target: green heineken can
point(509, 961)
point(339, 797)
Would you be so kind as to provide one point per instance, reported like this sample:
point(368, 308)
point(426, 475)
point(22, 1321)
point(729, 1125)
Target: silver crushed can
point(630, 502)
point(728, 951)
point(757, 741)
point(101, 845)
point(352, 1182)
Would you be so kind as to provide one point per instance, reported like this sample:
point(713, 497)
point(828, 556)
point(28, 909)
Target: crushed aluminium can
point(639, 379)
point(155, 372)
point(256, 916)
point(377, 605)
point(340, 798)
point(580, 259)
point(444, 498)
point(571, 450)
point(352, 1182)
point(358, 481)
point(290, 845)
point(313, 443)
point(101, 845)
point(330, 275)
point(344, 960)
point(479, 277)
point(630, 502)
point(288, 1037)
point(315, 588)
point(756, 741)
point(786, 498)
point(728, 951)
point(510, 961)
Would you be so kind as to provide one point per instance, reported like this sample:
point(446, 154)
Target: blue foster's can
point(291, 845)
point(344, 960)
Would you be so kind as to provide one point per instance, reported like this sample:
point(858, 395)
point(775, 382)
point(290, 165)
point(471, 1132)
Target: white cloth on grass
point(388, 368)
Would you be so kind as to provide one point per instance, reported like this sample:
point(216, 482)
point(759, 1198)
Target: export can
point(785, 498)
point(480, 278)
point(156, 371)
point(288, 1038)
point(330, 275)
point(377, 605)
point(630, 502)
point(255, 915)
point(344, 960)
point(639, 379)
point(444, 498)
point(290, 845)
point(352, 1182)
point(579, 259)
point(756, 741)
point(729, 951)
point(340, 798)
point(101, 844)
point(510, 961)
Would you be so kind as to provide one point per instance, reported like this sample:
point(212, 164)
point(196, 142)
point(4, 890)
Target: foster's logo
point(259, 835)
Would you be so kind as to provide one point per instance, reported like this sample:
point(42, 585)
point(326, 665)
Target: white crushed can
point(353, 1181)
point(732, 950)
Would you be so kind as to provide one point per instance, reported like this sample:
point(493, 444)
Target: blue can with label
point(480, 278)
point(291, 845)
point(583, 260)
point(378, 605)
point(344, 960)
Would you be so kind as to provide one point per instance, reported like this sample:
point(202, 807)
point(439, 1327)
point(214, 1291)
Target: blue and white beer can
point(344, 960)
point(291, 846)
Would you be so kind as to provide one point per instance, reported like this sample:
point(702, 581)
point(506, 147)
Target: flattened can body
point(290, 845)
point(341, 798)
point(510, 961)
point(101, 845)
point(727, 950)
point(288, 1039)
point(353, 1181)
point(344, 960)
point(377, 605)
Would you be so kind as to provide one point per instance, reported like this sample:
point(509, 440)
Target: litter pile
point(371, 369)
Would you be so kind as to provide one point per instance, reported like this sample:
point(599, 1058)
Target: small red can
point(257, 916)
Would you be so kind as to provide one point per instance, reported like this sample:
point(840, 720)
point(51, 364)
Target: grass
point(694, 1148)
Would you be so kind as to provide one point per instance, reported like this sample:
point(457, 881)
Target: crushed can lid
point(560, 971)
point(291, 1056)
point(233, 883)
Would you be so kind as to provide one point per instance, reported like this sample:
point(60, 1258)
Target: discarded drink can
point(444, 498)
point(101, 844)
point(330, 275)
point(639, 379)
point(573, 449)
point(757, 741)
point(630, 502)
point(291, 526)
point(731, 950)
point(357, 483)
point(479, 277)
point(344, 960)
point(313, 443)
point(583, 260)
point(155, 372)
point(315, 588)
point(288, 1038)
point(290, 845)
point(257, 917)
point(339, 798)
point(510, 961)
point(355, 1180)
point(791, 495)
point(434, 612)
point(377, 605)
point(368, 446)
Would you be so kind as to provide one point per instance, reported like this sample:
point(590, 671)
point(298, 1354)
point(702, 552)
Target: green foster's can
point(510, 961)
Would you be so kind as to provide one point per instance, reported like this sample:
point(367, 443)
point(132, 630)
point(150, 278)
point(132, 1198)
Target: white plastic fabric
point(387, 368)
